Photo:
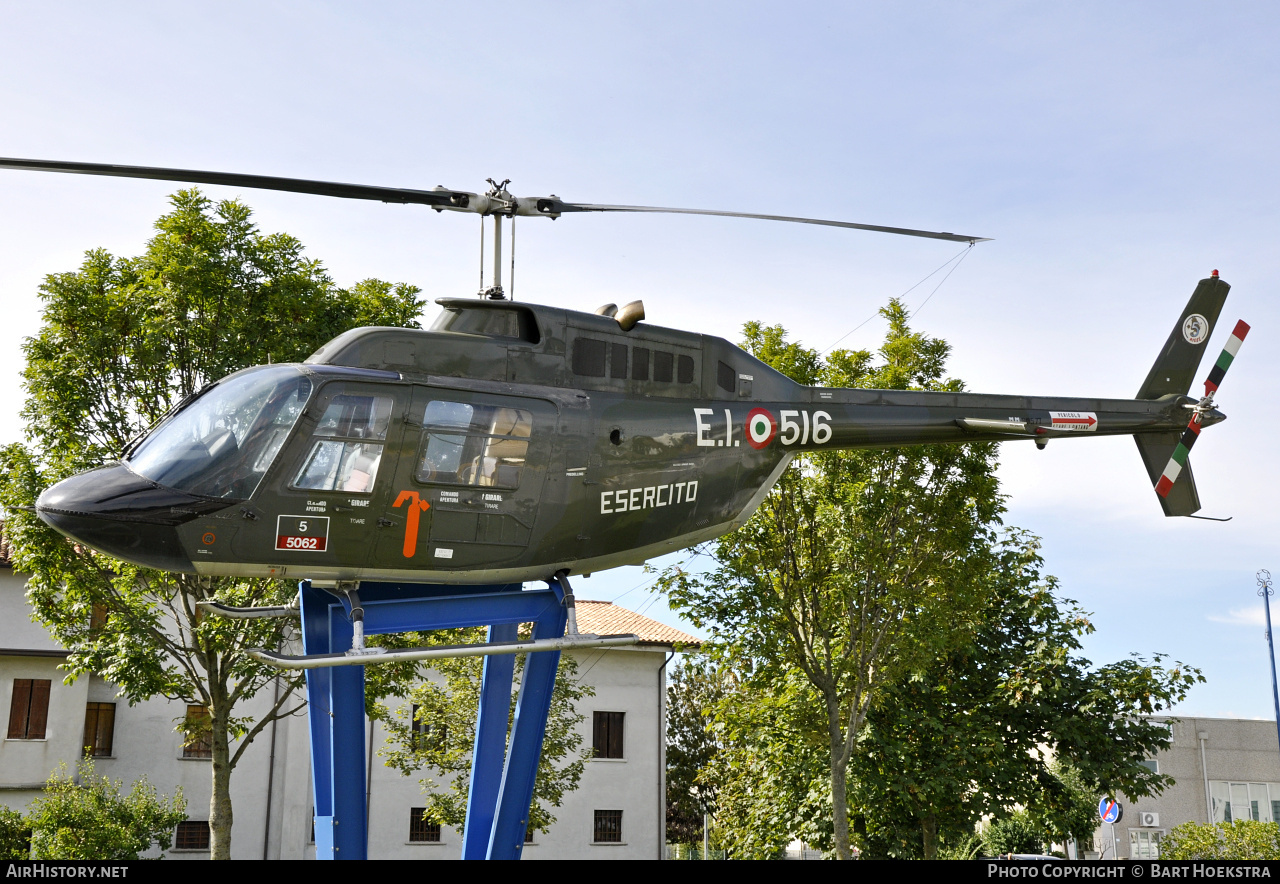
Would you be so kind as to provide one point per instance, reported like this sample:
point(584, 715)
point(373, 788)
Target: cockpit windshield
point(222, 444)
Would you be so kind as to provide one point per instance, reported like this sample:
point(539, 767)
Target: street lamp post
point(1265, 590)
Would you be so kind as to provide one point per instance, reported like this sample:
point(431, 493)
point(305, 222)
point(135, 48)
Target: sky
point(1115, 153)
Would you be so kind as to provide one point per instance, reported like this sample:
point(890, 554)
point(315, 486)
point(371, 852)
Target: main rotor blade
point(437, 198)
point(557, 206)
point(446, 199)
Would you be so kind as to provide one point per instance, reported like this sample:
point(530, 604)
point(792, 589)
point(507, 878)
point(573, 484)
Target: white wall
point(146, 743)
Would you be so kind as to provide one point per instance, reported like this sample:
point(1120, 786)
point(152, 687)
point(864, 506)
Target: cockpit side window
point(480, 445)
point(348, 446)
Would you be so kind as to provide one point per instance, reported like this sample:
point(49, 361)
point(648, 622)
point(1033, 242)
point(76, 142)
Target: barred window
point(608, 828)
point(420, 830)
point(424, 734)
point(199, 733)
point(192, 835)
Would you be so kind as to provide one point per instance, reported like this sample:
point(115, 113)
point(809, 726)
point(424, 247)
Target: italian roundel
point(761, 428)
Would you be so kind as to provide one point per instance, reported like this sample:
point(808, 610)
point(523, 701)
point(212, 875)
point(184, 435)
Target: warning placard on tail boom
point(1074, 421)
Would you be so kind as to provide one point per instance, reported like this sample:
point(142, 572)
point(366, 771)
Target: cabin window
point(588, 357)
point(640, 364)
point(482, 445)
point(347, 458)
point(663, 365)
point(725, 376)
point(684, 369)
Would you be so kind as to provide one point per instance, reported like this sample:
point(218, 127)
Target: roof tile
point(606, 618)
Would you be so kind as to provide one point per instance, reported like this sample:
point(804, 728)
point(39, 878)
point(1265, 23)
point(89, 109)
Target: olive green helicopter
point(515, 442)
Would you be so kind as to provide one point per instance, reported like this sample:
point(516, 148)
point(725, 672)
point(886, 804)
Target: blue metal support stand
point(502, 771)
point(1265, 590)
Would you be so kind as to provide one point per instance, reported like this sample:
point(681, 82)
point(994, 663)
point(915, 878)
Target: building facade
point(617, 811)
point(1224, 769)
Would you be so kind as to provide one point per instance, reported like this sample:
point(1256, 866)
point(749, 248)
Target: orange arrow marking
point(416, 506)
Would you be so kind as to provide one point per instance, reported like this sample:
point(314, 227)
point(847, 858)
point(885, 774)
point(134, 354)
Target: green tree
point(695, 688)
point(87, 816)
point(772, 774)
point(434, 729)
point(858, 563)
point(980, 729)
point(15, 835)
point(1015, 832)
point(123, 341)
point(1240, 839)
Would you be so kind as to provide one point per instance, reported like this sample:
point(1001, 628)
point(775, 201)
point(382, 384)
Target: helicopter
point(514, 441)
point(517, 442)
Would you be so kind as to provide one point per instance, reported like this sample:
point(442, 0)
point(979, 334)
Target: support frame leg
point(335, 715)
point(490, 745)
point(533, 706)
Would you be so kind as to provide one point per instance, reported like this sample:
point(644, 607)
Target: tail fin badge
point(1195, 329)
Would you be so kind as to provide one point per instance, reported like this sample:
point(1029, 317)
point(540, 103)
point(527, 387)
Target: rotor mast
point(499, 203)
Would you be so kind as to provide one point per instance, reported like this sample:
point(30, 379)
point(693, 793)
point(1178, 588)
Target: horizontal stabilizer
point(1156, 450)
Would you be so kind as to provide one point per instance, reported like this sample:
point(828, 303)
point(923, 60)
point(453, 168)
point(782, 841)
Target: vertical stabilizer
point(1179, 361)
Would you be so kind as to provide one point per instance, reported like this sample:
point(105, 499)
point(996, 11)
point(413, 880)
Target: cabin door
point(467, 483)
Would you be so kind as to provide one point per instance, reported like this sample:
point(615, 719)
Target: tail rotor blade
point(1228, 354)
point(1174, 468)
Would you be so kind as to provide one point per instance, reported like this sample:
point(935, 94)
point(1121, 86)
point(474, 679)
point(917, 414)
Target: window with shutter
point(99, 729)
point(29, 708)
point(607, 734)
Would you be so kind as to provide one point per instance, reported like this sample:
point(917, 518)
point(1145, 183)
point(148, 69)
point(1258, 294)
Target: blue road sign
point(1110, 810)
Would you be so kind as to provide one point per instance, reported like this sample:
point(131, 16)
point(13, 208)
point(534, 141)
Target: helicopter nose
point(123, 515)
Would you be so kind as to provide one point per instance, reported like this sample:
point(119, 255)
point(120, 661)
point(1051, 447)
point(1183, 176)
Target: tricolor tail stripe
point(1228, 354)
point(1179, 459)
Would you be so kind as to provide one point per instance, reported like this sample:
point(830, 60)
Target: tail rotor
point(1198, 411)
